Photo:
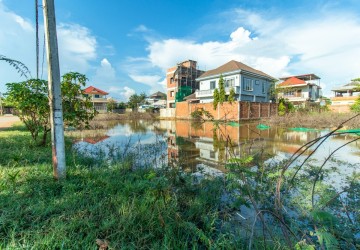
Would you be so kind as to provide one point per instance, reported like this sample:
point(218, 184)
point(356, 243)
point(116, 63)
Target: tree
point(30, 99)
point(222, 93)
point(231, 97)
point(356, 106)
point(136, 100)
point(19, 66)
point(111, 105)
point(216, 98)
point(273, 91)
point(78, 109)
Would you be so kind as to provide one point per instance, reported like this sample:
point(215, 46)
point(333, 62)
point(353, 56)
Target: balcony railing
point(210, 92)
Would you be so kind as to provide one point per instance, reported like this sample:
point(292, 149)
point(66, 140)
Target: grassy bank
point(131, 209)
point(314, 120)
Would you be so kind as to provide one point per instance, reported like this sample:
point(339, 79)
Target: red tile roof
point(292, 81)
point(93, 90)
point(233, 66)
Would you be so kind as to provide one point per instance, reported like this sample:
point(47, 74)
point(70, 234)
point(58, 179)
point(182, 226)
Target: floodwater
point(208, 146)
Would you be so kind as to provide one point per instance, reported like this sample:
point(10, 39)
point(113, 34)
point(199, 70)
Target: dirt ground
point(7, 121)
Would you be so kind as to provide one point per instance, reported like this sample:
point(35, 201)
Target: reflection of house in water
point(212, 144)
point(94, 140)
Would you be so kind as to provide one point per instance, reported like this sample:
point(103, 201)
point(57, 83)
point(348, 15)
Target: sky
point(125, 46)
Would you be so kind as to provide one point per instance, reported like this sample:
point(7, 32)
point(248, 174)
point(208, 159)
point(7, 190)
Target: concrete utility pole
point(56, 113)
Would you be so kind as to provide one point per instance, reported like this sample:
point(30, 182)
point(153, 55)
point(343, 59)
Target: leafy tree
point(273, 91)
point(30, 99)
point(111, 105)
point(222, 93)
point(231, 97)
point(77, 112)
point(216, 98)
point(135, 100)
point(356, 106)
point(121, 105)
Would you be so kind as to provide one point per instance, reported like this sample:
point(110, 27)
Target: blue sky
point(124, 47)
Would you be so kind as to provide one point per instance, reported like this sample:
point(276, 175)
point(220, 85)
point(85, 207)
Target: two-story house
point(97, 97)
point(299, 89)
point(249, 84)
point(345, 96)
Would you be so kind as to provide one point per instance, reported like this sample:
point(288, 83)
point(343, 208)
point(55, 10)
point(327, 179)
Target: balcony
point(210, 92)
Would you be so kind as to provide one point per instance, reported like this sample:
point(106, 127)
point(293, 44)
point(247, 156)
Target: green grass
point(131, 209)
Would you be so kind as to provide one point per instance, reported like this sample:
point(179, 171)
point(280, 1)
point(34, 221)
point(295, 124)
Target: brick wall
point(228, 111)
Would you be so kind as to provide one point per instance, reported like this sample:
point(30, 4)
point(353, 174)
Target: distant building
point(345, 96)
point(97, 97)
point(299, 89)
point(157, 100)
point(248, 83)
point(180, 81)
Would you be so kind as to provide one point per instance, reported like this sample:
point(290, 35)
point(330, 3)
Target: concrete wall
point(167, 113)
point(228, 111)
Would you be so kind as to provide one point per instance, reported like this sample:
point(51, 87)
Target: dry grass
point(314, 120)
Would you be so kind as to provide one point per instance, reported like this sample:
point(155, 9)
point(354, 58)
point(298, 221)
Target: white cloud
point(154, 81)
point(77, 47)
point(104, 75)
point(326, 44)
point(124, 92)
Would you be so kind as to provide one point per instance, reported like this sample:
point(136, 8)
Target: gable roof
point(158, 94)
point(93, 90)
point(233, 66)
point(292, 81)
point(306, 77)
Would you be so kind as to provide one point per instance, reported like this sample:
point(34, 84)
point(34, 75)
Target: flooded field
point(210, 145)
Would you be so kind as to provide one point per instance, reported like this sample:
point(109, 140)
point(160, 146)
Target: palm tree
point(19, 66)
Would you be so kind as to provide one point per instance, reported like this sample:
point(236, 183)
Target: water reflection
point(198, 145)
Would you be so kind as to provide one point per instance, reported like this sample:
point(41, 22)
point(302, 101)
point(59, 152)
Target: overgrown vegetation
point(121, 204)
point(127, 208)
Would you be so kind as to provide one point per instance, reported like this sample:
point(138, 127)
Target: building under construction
point(180, 81)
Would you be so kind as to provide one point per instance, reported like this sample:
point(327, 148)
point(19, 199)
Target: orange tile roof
point(233, 66)
point(292, 81)
point(93, 90)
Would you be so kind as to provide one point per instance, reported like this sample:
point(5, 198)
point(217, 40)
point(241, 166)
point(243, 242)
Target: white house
point(248, 83)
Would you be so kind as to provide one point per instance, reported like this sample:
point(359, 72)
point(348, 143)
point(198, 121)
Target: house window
point(263, 87)
point(230, 82)
point(212, 154)
point(171, 80)
point(96, 96)
point(248, 84)
point(212, 84)
point(257, 82)
point(172, 93)
point(289, 93)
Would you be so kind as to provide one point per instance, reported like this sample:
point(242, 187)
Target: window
point(229, 82)
point(171, 80)
point(212, 84)
point(212, 154)
point(96, 96)
point(263, 87)
point(289, 93)
point(172, 93)
point(248, 84)
point(257, 82)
